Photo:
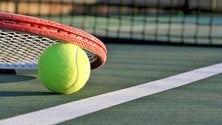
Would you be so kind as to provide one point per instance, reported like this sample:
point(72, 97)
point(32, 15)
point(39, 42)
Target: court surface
point(127, 66)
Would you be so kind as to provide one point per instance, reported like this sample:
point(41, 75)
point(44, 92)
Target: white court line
point(86, 106)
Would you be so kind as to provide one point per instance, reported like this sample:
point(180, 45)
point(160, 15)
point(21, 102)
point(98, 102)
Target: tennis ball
point(64, 68)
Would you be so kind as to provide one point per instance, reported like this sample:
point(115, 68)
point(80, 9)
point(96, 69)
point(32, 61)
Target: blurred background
point(196, 22)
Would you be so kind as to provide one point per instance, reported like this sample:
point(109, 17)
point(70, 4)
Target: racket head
point(24, 38)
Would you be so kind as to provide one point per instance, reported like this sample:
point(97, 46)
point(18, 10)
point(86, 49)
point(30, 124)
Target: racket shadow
point(14, 78)
point(23, 93)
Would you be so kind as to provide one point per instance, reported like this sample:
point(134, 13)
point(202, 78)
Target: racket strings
point(21, 50)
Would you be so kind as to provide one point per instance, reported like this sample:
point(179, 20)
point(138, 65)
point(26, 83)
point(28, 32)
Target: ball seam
point(54, 89)
point(77, 69)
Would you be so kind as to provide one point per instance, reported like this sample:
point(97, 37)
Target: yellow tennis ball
point(64, 68)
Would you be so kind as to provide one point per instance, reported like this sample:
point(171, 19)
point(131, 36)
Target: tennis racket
point(24, 38)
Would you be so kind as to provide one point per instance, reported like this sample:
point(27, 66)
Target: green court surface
point(130, 65)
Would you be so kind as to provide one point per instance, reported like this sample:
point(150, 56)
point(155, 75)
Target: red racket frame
point(46, 28)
